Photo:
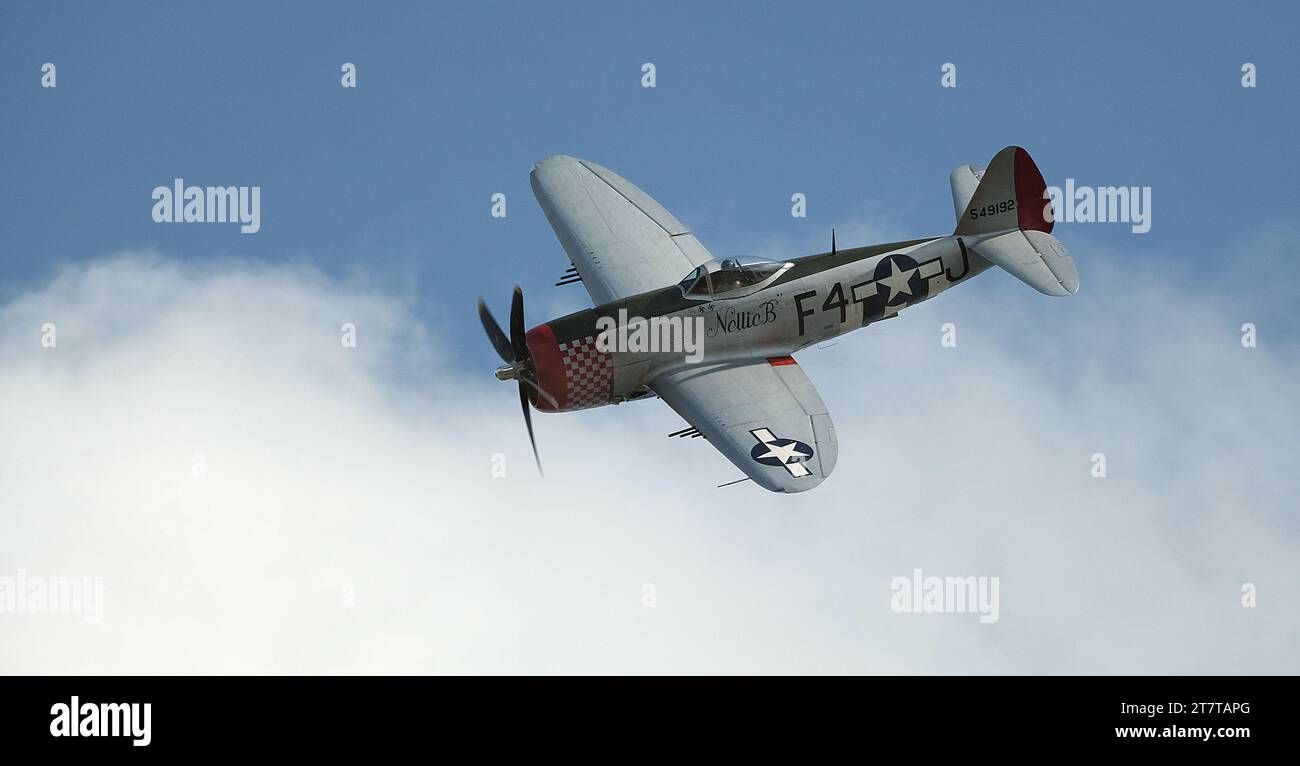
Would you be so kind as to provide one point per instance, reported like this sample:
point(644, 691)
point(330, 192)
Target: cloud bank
point(257, 498)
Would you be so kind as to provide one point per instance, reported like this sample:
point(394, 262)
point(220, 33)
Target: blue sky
point(391, 181)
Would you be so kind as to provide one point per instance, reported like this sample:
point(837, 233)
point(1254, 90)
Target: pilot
point(728, 277)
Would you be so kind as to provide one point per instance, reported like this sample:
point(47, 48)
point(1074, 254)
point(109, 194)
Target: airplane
point(742, 390)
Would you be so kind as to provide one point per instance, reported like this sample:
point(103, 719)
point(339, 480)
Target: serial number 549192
point(1000, 207)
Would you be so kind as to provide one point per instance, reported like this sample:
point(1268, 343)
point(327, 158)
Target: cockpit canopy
point(730, 277)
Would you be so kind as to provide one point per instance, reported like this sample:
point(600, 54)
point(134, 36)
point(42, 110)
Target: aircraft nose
point(548, 367)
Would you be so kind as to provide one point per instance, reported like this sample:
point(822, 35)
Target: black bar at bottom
point(305, 715)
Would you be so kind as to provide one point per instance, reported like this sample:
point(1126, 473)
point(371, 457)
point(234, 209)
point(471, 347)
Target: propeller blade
point(499, 340)
point(527, 378)
point(528, 420)
point(513, 351)
point(518, 335)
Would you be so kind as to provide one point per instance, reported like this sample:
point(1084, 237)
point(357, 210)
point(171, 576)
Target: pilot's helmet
point(730, 265)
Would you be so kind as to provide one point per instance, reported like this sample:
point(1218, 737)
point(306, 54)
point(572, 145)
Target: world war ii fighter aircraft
point(740, 388)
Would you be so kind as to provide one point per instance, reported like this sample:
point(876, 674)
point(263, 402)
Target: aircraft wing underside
point(620, 240)
point(763, 415)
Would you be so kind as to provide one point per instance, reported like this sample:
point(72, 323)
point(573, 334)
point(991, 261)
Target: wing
point(621, 241)
point(763, 415)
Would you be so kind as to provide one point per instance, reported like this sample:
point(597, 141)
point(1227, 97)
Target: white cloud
point(336, 474)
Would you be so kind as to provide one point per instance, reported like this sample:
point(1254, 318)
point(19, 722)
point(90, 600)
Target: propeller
point(513, 350)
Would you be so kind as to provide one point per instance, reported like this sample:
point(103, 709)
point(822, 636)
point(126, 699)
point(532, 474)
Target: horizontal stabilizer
point(1034, 257)
point(964, 180)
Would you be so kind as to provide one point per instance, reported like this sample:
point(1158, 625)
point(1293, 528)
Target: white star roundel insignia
point(901, 279)
point(790, 453)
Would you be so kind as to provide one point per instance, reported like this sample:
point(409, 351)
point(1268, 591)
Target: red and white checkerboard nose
point(573, 371)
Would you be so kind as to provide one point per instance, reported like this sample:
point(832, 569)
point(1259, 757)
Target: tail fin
point(1010, 194)
point(1008, 220)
